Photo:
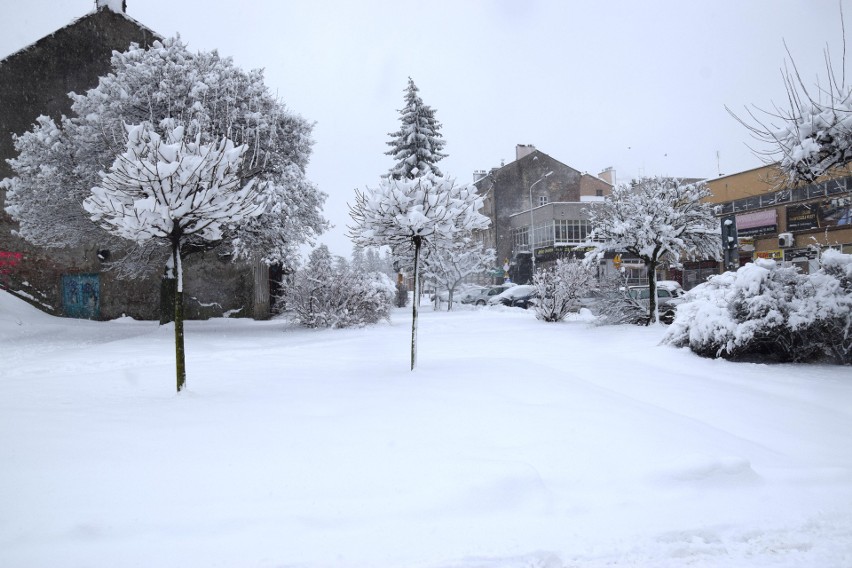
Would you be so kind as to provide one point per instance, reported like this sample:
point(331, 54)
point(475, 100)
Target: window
point(571, 230)
point(543, 234)
point(520, 239)
point(598, 193)
point(542, 200)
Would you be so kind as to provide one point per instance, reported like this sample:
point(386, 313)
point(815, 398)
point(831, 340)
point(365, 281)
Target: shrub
point(764, 311)
point(559, 289)
point(324, 295)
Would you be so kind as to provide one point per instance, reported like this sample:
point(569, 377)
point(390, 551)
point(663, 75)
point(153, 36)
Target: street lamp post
point(532, 224)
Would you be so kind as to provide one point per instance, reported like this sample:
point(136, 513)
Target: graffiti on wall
point(8, 261)
point(81, 295)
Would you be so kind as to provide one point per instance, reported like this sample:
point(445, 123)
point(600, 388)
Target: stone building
point(535, 190)
point(75, 282)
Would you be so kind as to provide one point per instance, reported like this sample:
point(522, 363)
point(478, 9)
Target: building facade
point(535, 204)
point(765, 218)
point(76, 282)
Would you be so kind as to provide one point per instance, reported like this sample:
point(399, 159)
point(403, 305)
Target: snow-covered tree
point(330, 294)
point(767, 311)
point(812, 135)
point(58, 163)
point(428, 211)
point(560, 287)
point(652, 218)
point(448, 267)
point(175, 190)
point(416, 146)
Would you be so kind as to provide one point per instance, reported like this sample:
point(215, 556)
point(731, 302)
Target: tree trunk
point(653, 315)
point(168, 285)
point(418, 241)
point(260, 303)
point(180, 360)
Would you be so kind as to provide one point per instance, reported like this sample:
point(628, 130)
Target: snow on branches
point(173, 188)
point(212, 99)
point(417, 145)
point(450, 266)
point(560, 287)
point(812, 135)
point(766, 310)
point(408, 214)
point(337, 296)
point(653, 217)
point(429, 209)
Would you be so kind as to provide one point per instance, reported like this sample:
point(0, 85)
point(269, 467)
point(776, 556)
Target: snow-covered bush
point(560, 287)
point(614, 306)
point(325, 295)
point(767, 311)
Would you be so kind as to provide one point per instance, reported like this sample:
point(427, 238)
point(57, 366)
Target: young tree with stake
point(173, 190)
point(411, 214)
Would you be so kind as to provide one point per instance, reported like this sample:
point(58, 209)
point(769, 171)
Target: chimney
point(522, 150)
point(608, 175)
point(478, 175)
point(117, 6)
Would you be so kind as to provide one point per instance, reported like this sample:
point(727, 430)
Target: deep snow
point(514, 444)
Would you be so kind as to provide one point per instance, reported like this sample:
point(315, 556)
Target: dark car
point(522, 293)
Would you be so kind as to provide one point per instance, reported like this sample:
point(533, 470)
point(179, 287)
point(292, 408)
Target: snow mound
point(16, 312)
point(709, 470)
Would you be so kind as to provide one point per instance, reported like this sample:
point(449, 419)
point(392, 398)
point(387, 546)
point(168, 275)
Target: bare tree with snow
point(652, 218)
point(812, 134)
point(417, 145)
point(174, 190)
point(560, 287)
point(414, 213)
point(448, 267)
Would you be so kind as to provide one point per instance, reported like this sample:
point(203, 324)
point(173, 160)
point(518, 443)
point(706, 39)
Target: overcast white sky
point(639, 86)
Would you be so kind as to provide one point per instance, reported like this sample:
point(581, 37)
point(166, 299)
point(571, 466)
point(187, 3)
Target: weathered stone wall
point(507, 191)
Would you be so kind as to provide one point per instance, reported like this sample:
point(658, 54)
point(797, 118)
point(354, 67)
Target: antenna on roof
point(718, 164)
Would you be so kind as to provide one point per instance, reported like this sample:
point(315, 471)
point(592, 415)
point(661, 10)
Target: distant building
point(72, 282)
point(536, 190)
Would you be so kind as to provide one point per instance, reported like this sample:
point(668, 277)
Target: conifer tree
point(417, 145)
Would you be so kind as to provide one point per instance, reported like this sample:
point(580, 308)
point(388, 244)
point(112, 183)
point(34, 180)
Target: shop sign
point(800, 254)
point(820, 215)
point(560, 251)
point(757, 223)
point(773, 254)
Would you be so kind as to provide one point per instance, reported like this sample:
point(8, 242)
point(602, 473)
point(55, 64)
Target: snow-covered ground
point(514, 444)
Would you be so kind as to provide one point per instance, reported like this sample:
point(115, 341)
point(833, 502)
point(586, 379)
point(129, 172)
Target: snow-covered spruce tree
point(812, 135)
point(765, 311)
point(416, 146)
point(560, 287)
point(333, 295)
point(448, 267)
point(175, 190)
point(58, 164)
point(653, 217)
point(428, 211)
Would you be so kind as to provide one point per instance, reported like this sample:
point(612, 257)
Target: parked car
point(669, 295)
point(508, 297)
point(480, 297)
point(477, 296)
